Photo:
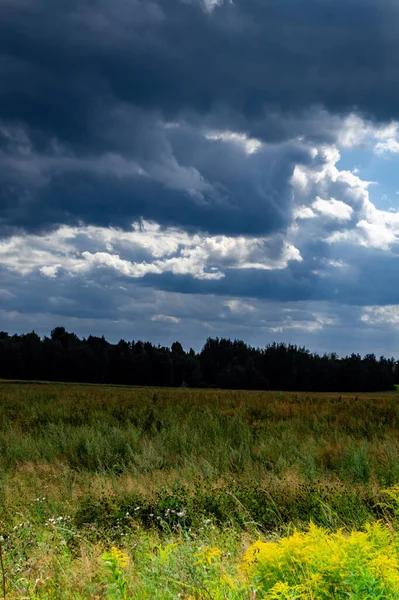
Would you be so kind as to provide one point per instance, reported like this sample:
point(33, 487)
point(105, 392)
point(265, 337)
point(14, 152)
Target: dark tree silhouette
point(222, 363)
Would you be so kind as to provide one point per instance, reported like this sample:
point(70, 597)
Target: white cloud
point(333, 193)
point(166, 318)
point(333, 209)
point(390, 145)
point(250, 145)
point(342, 212)
point(240, 307)
point(145, 249)
point(210, 5)
point(388, 139)
point(50, 271)
point(244, 253)
point(303, 212)
point(380, 230)
point(358, 132)
point(337, 264)
point(310, 322)
point(384, 315)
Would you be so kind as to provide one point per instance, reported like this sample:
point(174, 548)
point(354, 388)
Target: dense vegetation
point(222, 363)
point(116, 492)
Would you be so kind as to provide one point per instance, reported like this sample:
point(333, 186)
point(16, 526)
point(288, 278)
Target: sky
point(183, 169)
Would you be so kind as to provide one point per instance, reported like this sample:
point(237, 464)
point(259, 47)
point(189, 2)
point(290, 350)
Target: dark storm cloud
point(87, 84)
point(177, 178)
point(65, 297)
point(369, 279)
point(63, 58)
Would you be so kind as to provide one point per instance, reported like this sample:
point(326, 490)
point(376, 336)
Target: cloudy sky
point(179, 169)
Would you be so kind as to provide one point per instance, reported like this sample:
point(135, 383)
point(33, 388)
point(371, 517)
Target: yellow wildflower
point(208, 555)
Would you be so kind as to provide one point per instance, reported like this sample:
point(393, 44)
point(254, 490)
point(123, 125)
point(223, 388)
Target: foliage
point(312, 564)
point(222, 363)
point(114, 563)
point(323, 565)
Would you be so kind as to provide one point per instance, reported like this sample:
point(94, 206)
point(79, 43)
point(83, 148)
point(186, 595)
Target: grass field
point(113, 492)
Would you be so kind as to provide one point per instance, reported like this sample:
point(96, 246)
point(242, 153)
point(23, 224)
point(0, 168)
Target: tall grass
point(126, 466)
point(124, 430)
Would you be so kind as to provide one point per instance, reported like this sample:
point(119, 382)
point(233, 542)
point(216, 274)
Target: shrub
point(323, 565)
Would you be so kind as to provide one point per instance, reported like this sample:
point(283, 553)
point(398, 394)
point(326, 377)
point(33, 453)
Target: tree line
point(222, 363)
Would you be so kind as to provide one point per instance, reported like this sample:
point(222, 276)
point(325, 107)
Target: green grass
point(142, 468)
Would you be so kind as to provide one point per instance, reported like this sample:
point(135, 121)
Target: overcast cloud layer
point(172, 170)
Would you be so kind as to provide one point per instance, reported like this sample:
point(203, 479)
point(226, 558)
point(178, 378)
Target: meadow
point(118, 492)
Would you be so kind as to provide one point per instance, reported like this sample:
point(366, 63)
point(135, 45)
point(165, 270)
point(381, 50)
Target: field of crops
point(112, 492)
